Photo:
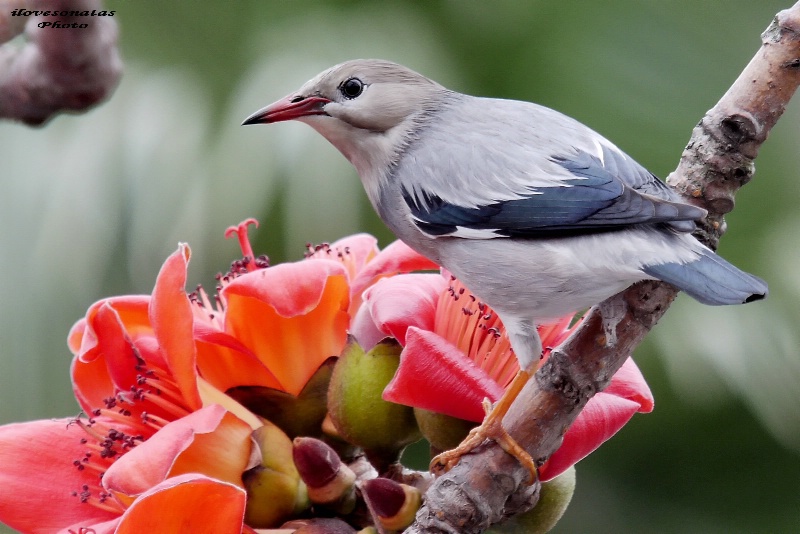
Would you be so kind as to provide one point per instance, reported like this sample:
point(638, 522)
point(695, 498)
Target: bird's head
point(364, 107)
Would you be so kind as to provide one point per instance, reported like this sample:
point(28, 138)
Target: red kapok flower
point(275, 326)
point(456, 354)
point(134, 376)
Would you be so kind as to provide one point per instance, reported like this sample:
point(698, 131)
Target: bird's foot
point(491, 428)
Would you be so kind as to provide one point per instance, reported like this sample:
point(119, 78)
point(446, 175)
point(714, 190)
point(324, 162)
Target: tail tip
point(755, 297)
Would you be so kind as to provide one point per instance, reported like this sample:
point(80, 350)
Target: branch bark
point(488, 485)
point(58, 69)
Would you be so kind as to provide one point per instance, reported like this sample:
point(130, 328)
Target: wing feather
point(555, 177)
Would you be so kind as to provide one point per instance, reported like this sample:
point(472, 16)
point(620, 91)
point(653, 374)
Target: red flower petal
point(38, 477)
point(629, 383)
point(460, 386)
point(187, 503)
point(400, 302)
point(171, 316)
point(602, 417)
point(211, 441)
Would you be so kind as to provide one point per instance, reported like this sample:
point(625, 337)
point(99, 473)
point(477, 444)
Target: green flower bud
point(274, 489)
point(553, 501)
point(356, 408)
point(444, 432)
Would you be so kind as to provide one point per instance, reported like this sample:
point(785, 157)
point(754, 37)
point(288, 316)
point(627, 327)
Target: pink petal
point(211, 441)
point(364, 329)
point(602, 417)
point(403, 301)
point(171, 316)
point(396, 258)
point(361, 249)
point(38, 477)
point(436, 376)
point(292, 289)
point(187, 503)
point(629, 383)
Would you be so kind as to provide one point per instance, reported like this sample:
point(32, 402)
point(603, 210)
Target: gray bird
point(537, 214)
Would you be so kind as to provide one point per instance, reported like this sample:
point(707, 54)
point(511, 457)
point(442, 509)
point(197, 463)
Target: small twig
point(489, 485)
point(58, 69)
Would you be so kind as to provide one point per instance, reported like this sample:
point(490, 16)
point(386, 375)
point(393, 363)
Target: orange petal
point(106, 361)
point(290, 288)
point(91, 383)
point(224, 362)
point(130, 317)
point(132, 312)
point(187, 503)
point(171, 316)
point(211, 441)
point(292, 317)
point(75, 336)
point(38, 477)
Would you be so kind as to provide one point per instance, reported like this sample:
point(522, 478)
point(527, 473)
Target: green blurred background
point(92, 204)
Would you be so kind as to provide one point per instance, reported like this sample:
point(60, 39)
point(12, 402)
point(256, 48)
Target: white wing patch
point(472, 233)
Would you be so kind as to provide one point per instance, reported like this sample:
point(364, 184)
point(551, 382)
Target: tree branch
point(488, 485)
point(67, 68)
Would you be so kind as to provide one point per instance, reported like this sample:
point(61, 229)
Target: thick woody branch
point(488, 485)
point(59, 68)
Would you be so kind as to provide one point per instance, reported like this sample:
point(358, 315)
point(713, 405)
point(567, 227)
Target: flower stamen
point(476, 330)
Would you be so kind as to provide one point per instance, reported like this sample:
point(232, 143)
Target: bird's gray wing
point(495, 168)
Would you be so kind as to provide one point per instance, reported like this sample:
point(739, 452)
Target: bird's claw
point(491, 428)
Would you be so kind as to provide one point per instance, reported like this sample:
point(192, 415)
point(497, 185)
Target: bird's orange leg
point(491, 428)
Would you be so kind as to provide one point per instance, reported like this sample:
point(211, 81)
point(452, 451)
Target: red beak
point(288, 108)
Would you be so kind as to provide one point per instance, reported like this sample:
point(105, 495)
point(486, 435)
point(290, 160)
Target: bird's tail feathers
point(711, 280)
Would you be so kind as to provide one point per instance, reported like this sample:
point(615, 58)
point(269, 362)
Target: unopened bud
point(393, 505)
point(274, 488)
point(357, 409)
point(444, 432)
point(329, 482)
point(554, 498)
point(299, 415)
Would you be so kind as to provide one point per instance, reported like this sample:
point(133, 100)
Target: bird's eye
point(351, 88)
